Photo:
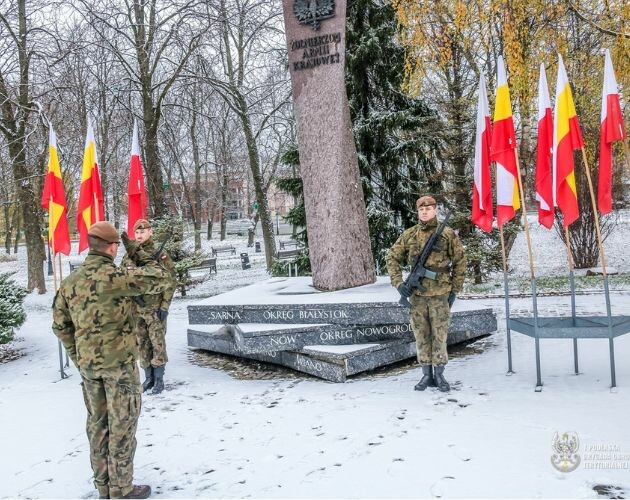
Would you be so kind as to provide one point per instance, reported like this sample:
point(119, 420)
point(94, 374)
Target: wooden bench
point(224, 249)
point(210, 264)
point(288, 254)
point(288, 243)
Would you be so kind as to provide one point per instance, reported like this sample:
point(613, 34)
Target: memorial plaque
point(464, 325)
point(372, 313)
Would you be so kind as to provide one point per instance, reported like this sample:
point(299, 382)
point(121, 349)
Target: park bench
point(224, 249)
point(288, 254)
point(210, 264)
point(288, 243)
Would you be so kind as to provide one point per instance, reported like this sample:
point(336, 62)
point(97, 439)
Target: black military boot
point(139, 491)
point(148, 379)
point(426, 380)
point(158, 378)
point(440, 381)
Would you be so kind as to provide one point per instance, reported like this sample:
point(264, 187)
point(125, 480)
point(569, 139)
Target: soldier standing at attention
point(150, 311)
point(430, 309)
point(92, 318)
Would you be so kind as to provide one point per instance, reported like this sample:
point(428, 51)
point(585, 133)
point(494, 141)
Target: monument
point(336, 219)
point(331, 335)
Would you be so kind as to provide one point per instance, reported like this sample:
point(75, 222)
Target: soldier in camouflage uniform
point(151, 312)
point(92, 318)
point(430, 309)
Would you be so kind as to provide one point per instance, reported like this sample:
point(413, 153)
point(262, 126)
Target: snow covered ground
point(212, 435)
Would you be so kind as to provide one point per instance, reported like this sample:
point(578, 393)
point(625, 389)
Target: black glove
point(162, 314)
point(405, 290)
point(451, 299)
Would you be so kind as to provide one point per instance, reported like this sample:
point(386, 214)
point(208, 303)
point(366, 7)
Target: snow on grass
point(212, 435)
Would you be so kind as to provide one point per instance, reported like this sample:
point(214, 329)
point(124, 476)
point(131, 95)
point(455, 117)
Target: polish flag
point(544, 183)
point(482, 189)
point(612, 130)
point(137, 198)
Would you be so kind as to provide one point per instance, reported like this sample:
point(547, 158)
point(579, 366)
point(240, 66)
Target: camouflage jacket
point(92, 310)
point(447, 258)
point(162, 300)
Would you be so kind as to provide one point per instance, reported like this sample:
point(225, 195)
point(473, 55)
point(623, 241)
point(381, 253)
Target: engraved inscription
point(317, 51)
point(225, 315)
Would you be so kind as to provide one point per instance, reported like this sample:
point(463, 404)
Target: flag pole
point(96, 214)
point(506, 291)
point(531, 270)
point(567, 239)
point(51, 239)
point(626, 152)
point(602, 255)
point(67, 363)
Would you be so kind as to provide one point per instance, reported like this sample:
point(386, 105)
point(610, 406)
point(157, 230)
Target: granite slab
point(222, 342)
point(250, 338)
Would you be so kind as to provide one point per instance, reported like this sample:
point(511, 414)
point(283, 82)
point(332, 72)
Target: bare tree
point(16, 106)
point(250, 36)
point(153, 42)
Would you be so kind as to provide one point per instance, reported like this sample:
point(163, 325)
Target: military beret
point(104, 230)
point(141, 224)
point(425, 201)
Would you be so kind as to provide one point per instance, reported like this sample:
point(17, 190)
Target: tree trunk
point(29, 202)
point(197, 166)
point(16, 226)
point(261, 194)
point(8, 227)
point(224, 200)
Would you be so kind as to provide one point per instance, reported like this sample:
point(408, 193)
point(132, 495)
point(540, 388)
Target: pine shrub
point(12, 314)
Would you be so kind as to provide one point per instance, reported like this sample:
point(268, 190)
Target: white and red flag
point(612, 130)
point(137, 198)
point(544, 181)
point(482, 189)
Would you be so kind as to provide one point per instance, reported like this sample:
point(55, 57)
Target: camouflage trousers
point(112, 399)
point(151, 335)
point(429, 319)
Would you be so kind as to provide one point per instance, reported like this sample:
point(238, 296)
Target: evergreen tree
point(297, 215)
point(397, 136)
point(12, 313)
point(183, 256)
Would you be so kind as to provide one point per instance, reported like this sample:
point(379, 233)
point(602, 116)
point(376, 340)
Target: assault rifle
point(418, 269)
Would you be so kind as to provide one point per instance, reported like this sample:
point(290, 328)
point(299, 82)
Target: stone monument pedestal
point(331, 335)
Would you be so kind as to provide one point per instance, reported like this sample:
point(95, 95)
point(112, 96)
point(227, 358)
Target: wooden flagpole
point(626, 152)
point(604, 272)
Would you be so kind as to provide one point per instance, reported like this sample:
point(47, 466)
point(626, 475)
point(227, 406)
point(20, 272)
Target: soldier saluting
point(150, 311)
point(430, 306)
point(92, 318)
